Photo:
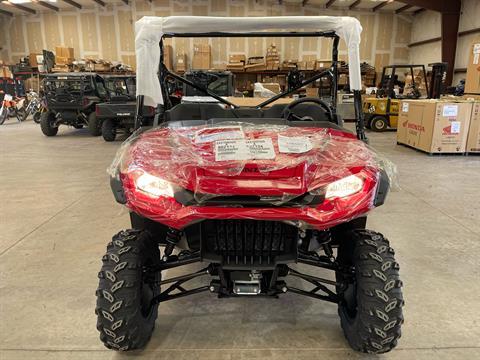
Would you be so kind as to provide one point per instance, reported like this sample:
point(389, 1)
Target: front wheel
point(3, 114)
point(94, 125)
point(378, 123)
point(37, 116)
point(109, 130)
point(371, 304)
point(125, 312)
point(47, 124)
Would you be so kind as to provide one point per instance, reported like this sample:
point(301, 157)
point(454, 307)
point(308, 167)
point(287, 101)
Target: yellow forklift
point(401, 82)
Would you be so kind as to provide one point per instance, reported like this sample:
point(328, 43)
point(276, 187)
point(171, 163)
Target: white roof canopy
point(150, 29)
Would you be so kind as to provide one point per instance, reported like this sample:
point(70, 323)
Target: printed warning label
point(230, 150)
point(218, 133)
point(295, 145)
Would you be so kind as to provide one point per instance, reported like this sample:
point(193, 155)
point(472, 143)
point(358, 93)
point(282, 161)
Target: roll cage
point(332, 73)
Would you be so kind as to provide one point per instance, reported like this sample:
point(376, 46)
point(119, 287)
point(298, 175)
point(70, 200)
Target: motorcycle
point(12, 107)
point(34, 106)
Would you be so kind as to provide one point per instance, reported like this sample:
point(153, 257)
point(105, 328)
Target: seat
point(256, 121)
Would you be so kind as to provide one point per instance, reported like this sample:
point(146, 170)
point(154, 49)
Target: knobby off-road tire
point(109, 130)
point(125, 318)
point(36, 117)
point(371, 307)
point(3, 114)
point(94, 124)
point(46, 124)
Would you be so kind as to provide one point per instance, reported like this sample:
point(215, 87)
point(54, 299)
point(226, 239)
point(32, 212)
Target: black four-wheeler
point(118, 113)
point(249, 193)
point(71, 100)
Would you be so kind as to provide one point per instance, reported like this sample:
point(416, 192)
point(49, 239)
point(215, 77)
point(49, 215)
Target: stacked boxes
point(181, 63)
point(236, 62)
point(201, 57)
point(64, 55)
point(256, 63)
point(289, 65)
point(272, 59)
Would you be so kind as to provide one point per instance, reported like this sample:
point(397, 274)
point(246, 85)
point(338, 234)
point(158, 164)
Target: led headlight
point(344, 187)
point(154, 186)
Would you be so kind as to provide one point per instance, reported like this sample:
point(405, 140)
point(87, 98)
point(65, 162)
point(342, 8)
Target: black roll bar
point(332, 73)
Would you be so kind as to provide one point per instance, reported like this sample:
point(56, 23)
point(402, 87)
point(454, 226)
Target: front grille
point(188, 198)
point(248, 242)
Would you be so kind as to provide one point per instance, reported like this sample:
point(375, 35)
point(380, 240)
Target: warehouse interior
point(411, 118)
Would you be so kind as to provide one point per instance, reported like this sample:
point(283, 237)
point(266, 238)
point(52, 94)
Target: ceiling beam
point(416, 12)
point(381, 5)
point(354, 5)
point(45, 4)
point(304, 2)
point(5, 12)
point(125, 2)
point(436, 5)
point(73, 3)
point(329, 3)
point(20, 7)
point(403, 8)
point(100, 2)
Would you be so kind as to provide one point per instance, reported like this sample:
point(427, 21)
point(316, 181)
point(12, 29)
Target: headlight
point(154, 186)
point(344, 187)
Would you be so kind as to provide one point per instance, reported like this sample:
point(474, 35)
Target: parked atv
point(249, 193)
point(71, 100)
point(118, 113)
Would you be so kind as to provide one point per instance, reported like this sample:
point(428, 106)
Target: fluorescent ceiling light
point(26, 1)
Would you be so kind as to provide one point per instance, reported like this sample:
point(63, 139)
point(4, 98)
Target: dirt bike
point(12, 107)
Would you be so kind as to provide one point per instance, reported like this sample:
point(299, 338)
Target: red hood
point(176, 155)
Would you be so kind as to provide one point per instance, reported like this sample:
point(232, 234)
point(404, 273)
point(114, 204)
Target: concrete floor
point(57, 214)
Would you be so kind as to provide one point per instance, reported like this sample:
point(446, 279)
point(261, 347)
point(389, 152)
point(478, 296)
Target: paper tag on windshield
point(295, 145)
point(228, 150)
point(218, 133)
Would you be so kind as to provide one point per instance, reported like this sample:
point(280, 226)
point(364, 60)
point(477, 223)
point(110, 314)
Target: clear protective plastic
point(312, 176)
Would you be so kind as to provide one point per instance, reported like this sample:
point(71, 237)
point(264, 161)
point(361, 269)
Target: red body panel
point(173, 155)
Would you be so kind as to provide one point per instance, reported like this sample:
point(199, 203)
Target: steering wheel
point(288, 113)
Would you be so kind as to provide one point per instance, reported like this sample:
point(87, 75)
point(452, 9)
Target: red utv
point(249, 193)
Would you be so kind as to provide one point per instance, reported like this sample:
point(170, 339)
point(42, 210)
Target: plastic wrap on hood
point(318, 177)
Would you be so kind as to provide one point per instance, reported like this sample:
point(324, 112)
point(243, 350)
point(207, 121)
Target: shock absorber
point(172, 239)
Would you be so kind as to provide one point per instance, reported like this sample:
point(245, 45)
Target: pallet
point(433, 153)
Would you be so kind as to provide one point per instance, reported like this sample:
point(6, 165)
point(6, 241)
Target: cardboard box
point(236, 58)
point(322, 64)
point(311, 92)
point(434, 126)
point(472, 81)
point(65, 52)
point(32, 58)
point(201, 57)
point(275, 87)
point(168, 56)
point(60, 60)
point(473, 140)
point(181, 63)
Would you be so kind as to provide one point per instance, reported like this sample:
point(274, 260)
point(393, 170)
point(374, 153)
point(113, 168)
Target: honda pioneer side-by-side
point(118, 113)
point(247, 193)
point(71, 100)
